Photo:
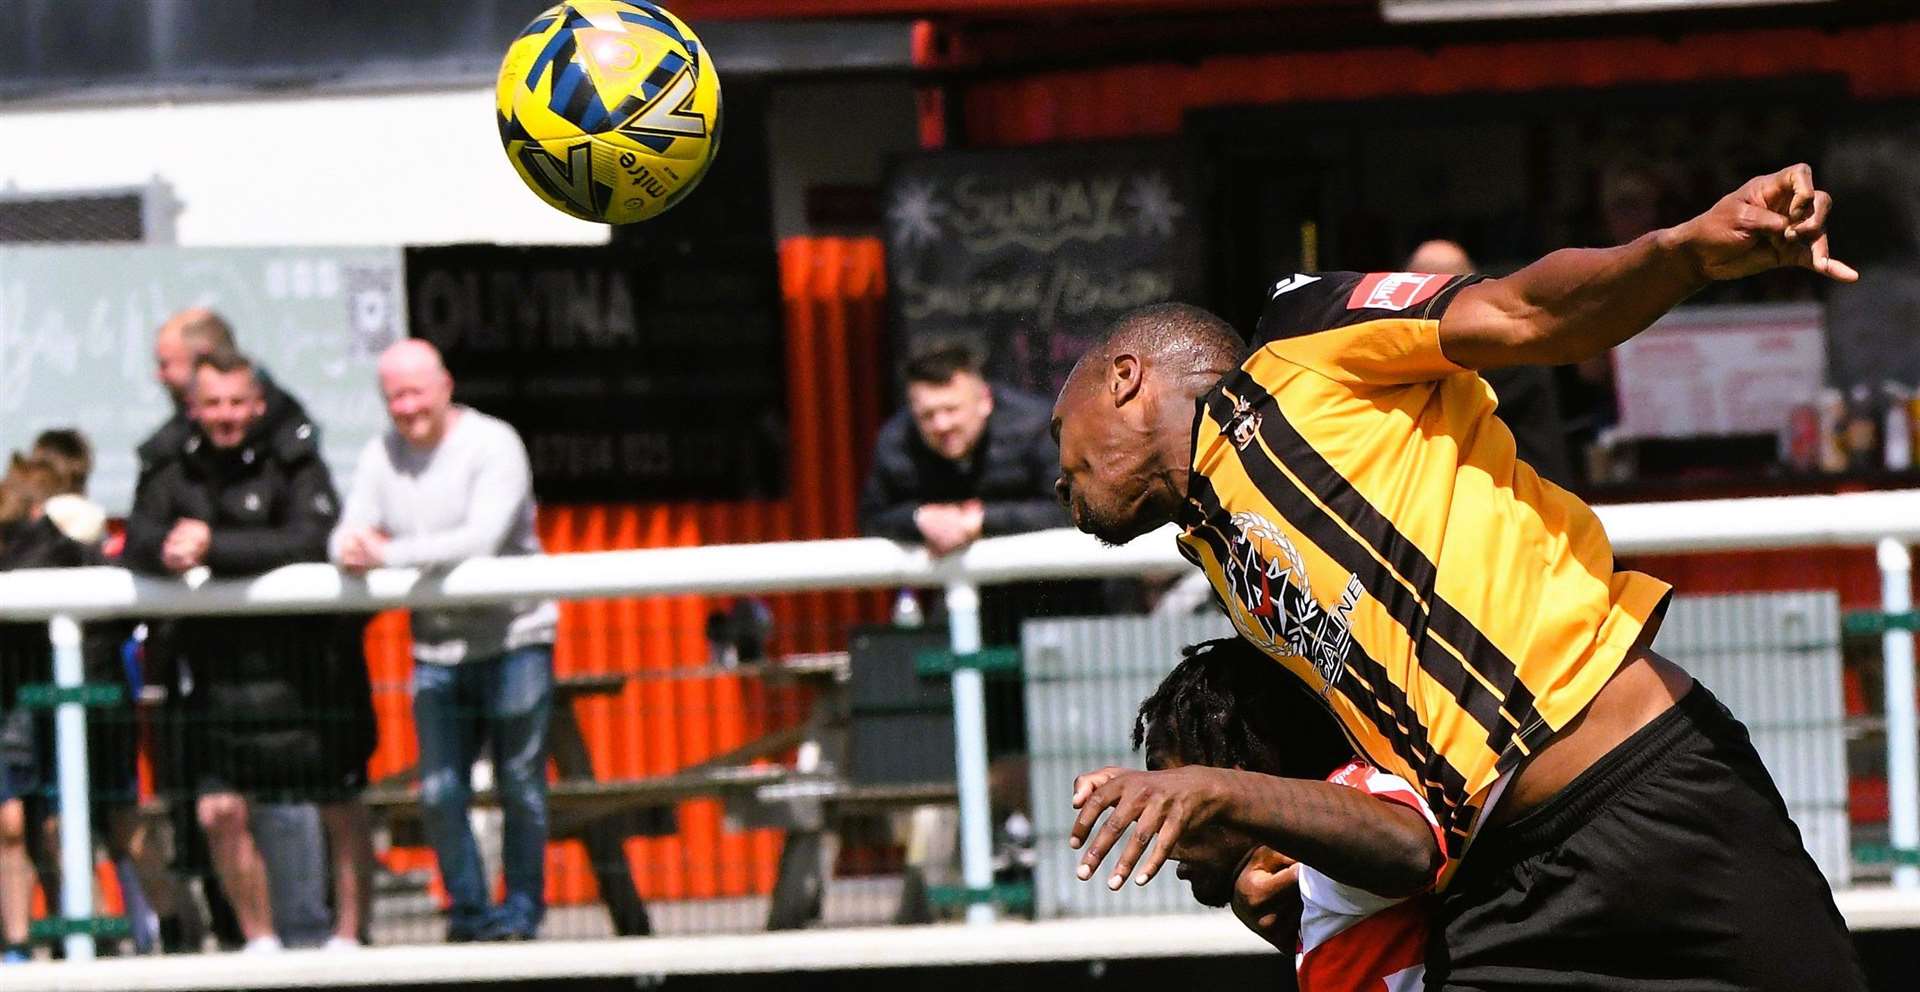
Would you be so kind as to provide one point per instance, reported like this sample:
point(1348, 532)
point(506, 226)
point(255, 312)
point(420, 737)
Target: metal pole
point(1903, 739)
point(970, 748)
point(70, 741)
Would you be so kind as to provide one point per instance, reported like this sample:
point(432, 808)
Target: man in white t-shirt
point(1332, 864)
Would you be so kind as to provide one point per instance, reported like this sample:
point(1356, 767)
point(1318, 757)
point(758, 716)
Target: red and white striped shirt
point(1350, 939)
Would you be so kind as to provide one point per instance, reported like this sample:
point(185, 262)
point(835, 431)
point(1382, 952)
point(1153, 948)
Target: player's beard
point(1109, 529)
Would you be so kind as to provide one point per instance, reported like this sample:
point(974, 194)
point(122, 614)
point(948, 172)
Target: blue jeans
point(505, 701)
point(294, 848)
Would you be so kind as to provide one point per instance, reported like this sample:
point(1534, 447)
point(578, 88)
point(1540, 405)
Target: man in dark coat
point(181, 342)
point(966, 459)
point(281, 708)
point(969, 459)
point(289, 831)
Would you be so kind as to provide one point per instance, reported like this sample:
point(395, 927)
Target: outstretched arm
point(1576, 303)
point(1347, 835)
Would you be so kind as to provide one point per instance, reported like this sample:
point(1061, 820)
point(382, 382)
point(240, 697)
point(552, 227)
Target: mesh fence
point(142, 214)
point(1775, 660)
point(705, 765)
point(668, 766)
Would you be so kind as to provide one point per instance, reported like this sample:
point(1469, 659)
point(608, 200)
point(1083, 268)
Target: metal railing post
point(970, 749)
point(1903, 741)
point(70, 742)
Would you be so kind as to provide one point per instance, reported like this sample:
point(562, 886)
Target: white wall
point(400, 168)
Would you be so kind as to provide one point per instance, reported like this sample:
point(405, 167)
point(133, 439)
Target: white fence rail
point(1855, 519)
point(1890, 520)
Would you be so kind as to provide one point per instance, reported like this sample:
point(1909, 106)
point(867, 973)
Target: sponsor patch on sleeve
point(1395, 290)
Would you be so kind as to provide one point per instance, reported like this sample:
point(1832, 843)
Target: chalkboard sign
point(1031, 252)
point(630, 375)
point(77, 325)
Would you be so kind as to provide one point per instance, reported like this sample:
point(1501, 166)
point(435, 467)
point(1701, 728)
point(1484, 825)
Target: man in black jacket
point(281, 708)
point(967, 459)
point(178, 346)
point(964, 460)
point(290, 832)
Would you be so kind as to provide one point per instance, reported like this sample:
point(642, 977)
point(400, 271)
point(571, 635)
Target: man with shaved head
point(1364, 522)
point(446, 484)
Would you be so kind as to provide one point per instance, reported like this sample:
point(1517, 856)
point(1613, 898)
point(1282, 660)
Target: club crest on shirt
point(1276, 608)
point(1244, 425)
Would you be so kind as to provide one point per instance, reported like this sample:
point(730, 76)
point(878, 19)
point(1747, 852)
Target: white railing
point(1889, 521)
point(1851, 520)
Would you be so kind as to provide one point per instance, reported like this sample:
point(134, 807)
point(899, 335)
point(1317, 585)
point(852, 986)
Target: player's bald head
point(1176, 337)
point(1124, 418)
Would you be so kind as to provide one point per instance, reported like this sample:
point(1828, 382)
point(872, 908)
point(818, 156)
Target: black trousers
point(1669, 865)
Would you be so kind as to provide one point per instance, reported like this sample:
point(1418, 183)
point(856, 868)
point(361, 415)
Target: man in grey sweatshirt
point(449, 483)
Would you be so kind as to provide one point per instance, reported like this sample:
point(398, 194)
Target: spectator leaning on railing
point(179, 344)
point(290, 832)
point(969, 459)
point(281, 708)
point(449, 483)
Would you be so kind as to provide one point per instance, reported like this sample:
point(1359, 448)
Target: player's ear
point(1123, 378)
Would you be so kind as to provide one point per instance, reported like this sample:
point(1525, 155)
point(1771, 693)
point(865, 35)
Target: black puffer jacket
point(167, 445)
point(277, 703)
point(1011, 472)
point(168, 442)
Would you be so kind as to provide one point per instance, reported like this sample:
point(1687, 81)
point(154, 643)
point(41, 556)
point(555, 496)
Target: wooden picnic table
point(805, 800)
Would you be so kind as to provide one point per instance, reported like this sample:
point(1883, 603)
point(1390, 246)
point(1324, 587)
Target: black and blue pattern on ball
point(573, 96)
point(648, 14)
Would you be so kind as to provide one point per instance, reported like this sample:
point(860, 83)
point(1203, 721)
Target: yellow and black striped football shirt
point(1362, 516)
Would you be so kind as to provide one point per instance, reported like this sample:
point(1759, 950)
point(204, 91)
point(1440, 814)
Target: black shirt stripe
point(1362, 679)
point(1339, 495)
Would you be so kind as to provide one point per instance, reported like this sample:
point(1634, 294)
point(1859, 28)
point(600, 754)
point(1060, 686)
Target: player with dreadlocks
point(1365, 843)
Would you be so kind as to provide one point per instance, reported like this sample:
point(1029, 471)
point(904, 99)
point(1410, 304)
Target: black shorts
point(1669, 865)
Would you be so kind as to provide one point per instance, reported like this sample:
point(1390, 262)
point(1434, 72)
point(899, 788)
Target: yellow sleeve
point(1386, 352)
point(1359, 328)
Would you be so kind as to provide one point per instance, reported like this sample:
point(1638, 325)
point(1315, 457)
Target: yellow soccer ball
point(609, 109)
